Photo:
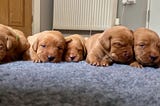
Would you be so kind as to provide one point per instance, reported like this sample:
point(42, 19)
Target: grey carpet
point(24, 83)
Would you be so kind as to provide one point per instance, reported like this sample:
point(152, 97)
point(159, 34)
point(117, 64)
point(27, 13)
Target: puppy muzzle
point(51, 58)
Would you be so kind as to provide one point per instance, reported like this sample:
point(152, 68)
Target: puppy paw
point(104, 63)
point(36, 60)
point(136, 64)
point(93, 61)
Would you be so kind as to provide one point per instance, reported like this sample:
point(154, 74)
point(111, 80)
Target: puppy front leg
point(106, 61)
point(93, 60)
point(34, 57)
point(136, 64)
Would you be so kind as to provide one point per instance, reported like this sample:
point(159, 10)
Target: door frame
point(148, 13)
point(36, 16)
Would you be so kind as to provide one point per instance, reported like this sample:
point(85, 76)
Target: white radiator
point(84, 14)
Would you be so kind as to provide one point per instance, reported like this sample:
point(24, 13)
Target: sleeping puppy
point(13, 44)
point(75, 49)
point(46, 46)
point(146, 48)
point(113, 45)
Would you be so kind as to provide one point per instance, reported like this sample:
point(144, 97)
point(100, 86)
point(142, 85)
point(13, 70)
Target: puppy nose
point(153, 58)
point(126, 54)
point(72, 57)
point(50, 58)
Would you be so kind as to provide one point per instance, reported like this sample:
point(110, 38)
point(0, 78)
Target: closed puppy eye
point(117, 44)
point(43, 46)
point(142, 45)
point(59, 47)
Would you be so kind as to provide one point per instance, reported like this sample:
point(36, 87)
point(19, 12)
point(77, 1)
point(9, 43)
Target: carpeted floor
point(24, 83)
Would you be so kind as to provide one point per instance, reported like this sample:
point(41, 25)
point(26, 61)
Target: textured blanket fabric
point(24, 83)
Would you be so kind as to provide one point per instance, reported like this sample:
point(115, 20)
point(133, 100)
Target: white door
point(154, 15)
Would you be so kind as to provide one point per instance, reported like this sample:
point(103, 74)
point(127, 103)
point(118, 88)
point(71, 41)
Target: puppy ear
point(105, 40)
point(85, 51)
point(68, 39)
point(8, 43)
point(84, 48)
point(131, 31)
point(35, 45)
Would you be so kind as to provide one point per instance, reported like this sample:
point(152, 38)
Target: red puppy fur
point(75, 49)
point(46, 46)
point(113, 45)
point(13, 44)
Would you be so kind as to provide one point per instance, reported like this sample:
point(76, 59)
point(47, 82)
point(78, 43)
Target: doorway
point(153, 21)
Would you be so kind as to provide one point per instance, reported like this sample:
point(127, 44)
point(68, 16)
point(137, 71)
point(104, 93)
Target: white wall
point(46, 14)
point(154, 18)
point(36, 16)
point(42, 15)
point(134, 15)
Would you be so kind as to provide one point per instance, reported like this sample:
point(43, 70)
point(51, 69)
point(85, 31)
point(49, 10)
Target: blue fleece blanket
point(24, 83)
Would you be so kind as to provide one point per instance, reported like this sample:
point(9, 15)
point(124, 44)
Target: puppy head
point(118, 41)
point(3, 48)
point(49, 46)
point(146, 47)
point(9, 35)
point(7, 44)
point(75, 49)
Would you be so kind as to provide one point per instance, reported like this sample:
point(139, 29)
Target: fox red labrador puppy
point(46, 46)
point(146, 48)
point(113, 45)
point(75, 49)
point(13, 44)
